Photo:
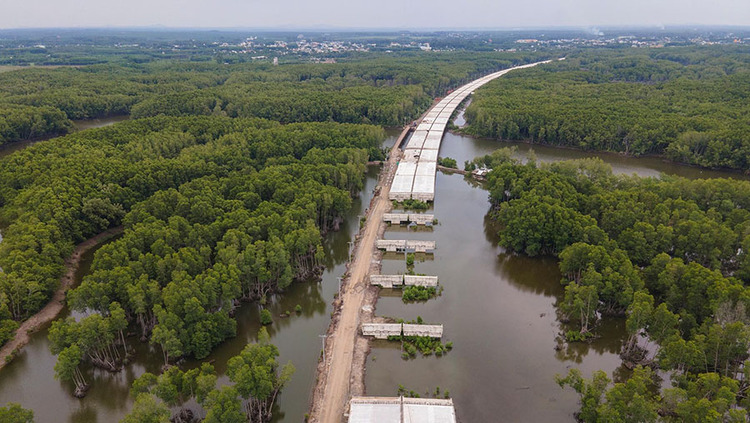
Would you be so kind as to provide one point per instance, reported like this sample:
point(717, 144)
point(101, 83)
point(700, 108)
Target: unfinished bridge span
point(342, 365)
point(415, 175)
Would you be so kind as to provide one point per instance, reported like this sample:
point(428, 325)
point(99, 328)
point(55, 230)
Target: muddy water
point(29, 379)
point(462, 148)
point(497, 308)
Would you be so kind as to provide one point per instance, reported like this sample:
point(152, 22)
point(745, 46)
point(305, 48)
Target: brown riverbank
point(56, 304)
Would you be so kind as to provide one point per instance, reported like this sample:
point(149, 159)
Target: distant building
point(276, 61)
point(481, 172)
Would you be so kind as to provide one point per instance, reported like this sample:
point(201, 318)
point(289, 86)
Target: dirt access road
point(53, 308)
point(332, 391)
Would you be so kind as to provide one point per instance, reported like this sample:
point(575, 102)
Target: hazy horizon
point(386, 15)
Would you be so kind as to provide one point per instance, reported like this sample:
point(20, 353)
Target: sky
point(386, 14)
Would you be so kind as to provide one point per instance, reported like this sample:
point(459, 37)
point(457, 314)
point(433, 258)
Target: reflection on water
point(460, 119)
point(462, 148)
point(499, 311)
point(29, 379)
point(497, 308)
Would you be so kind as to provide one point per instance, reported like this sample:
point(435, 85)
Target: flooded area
point(497, 308)
point(462, 147)
point(29, 379)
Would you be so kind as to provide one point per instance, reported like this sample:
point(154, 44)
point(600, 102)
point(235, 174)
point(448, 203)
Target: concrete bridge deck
point(381, 330)
point(401, 410)
point(419, 219)
point(395, 245)
point(432, 331)
point(384, 330)
point(341, 372)
point(397, 281)
point(415, 176)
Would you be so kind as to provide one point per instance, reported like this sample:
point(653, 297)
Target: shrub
point(448, 162)
point(418, 293)
point(576, 336)
point(411, 205)
point(265, 317)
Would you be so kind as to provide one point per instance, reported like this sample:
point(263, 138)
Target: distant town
point(64, 46)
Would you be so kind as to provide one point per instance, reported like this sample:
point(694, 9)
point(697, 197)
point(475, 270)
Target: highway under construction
point(408, 174)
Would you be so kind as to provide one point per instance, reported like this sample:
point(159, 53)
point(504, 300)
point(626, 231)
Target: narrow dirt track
point(56, 304)
point(331, 395)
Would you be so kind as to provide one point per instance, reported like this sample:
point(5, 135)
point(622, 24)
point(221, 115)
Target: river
point(29, 379)
point(457, 147)
point(498, 309)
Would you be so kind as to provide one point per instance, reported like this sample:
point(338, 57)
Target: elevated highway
point(415, 175)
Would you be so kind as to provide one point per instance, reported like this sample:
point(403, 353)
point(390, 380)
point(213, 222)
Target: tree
point(176, 388)
point(14, 413)
point(706, 397)
point(257, 377)
point(580, 303)
point(166, 334)
point(590, 392)
point(265, 317)
point(537, 225)
point(630, 401)
point(448, 162)
point(93, 339)
point(66, 368)
point(147, 409)
point(640, 314)
point(224, 406)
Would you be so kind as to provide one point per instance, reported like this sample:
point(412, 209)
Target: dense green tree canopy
point(667, 253)
point(379, 89)
point(215, 210)
point(14, 413)
point(688, 103)
point(257, 380)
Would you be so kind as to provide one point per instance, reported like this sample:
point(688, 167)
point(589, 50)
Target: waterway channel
point(497, 308)
point(29, 379)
